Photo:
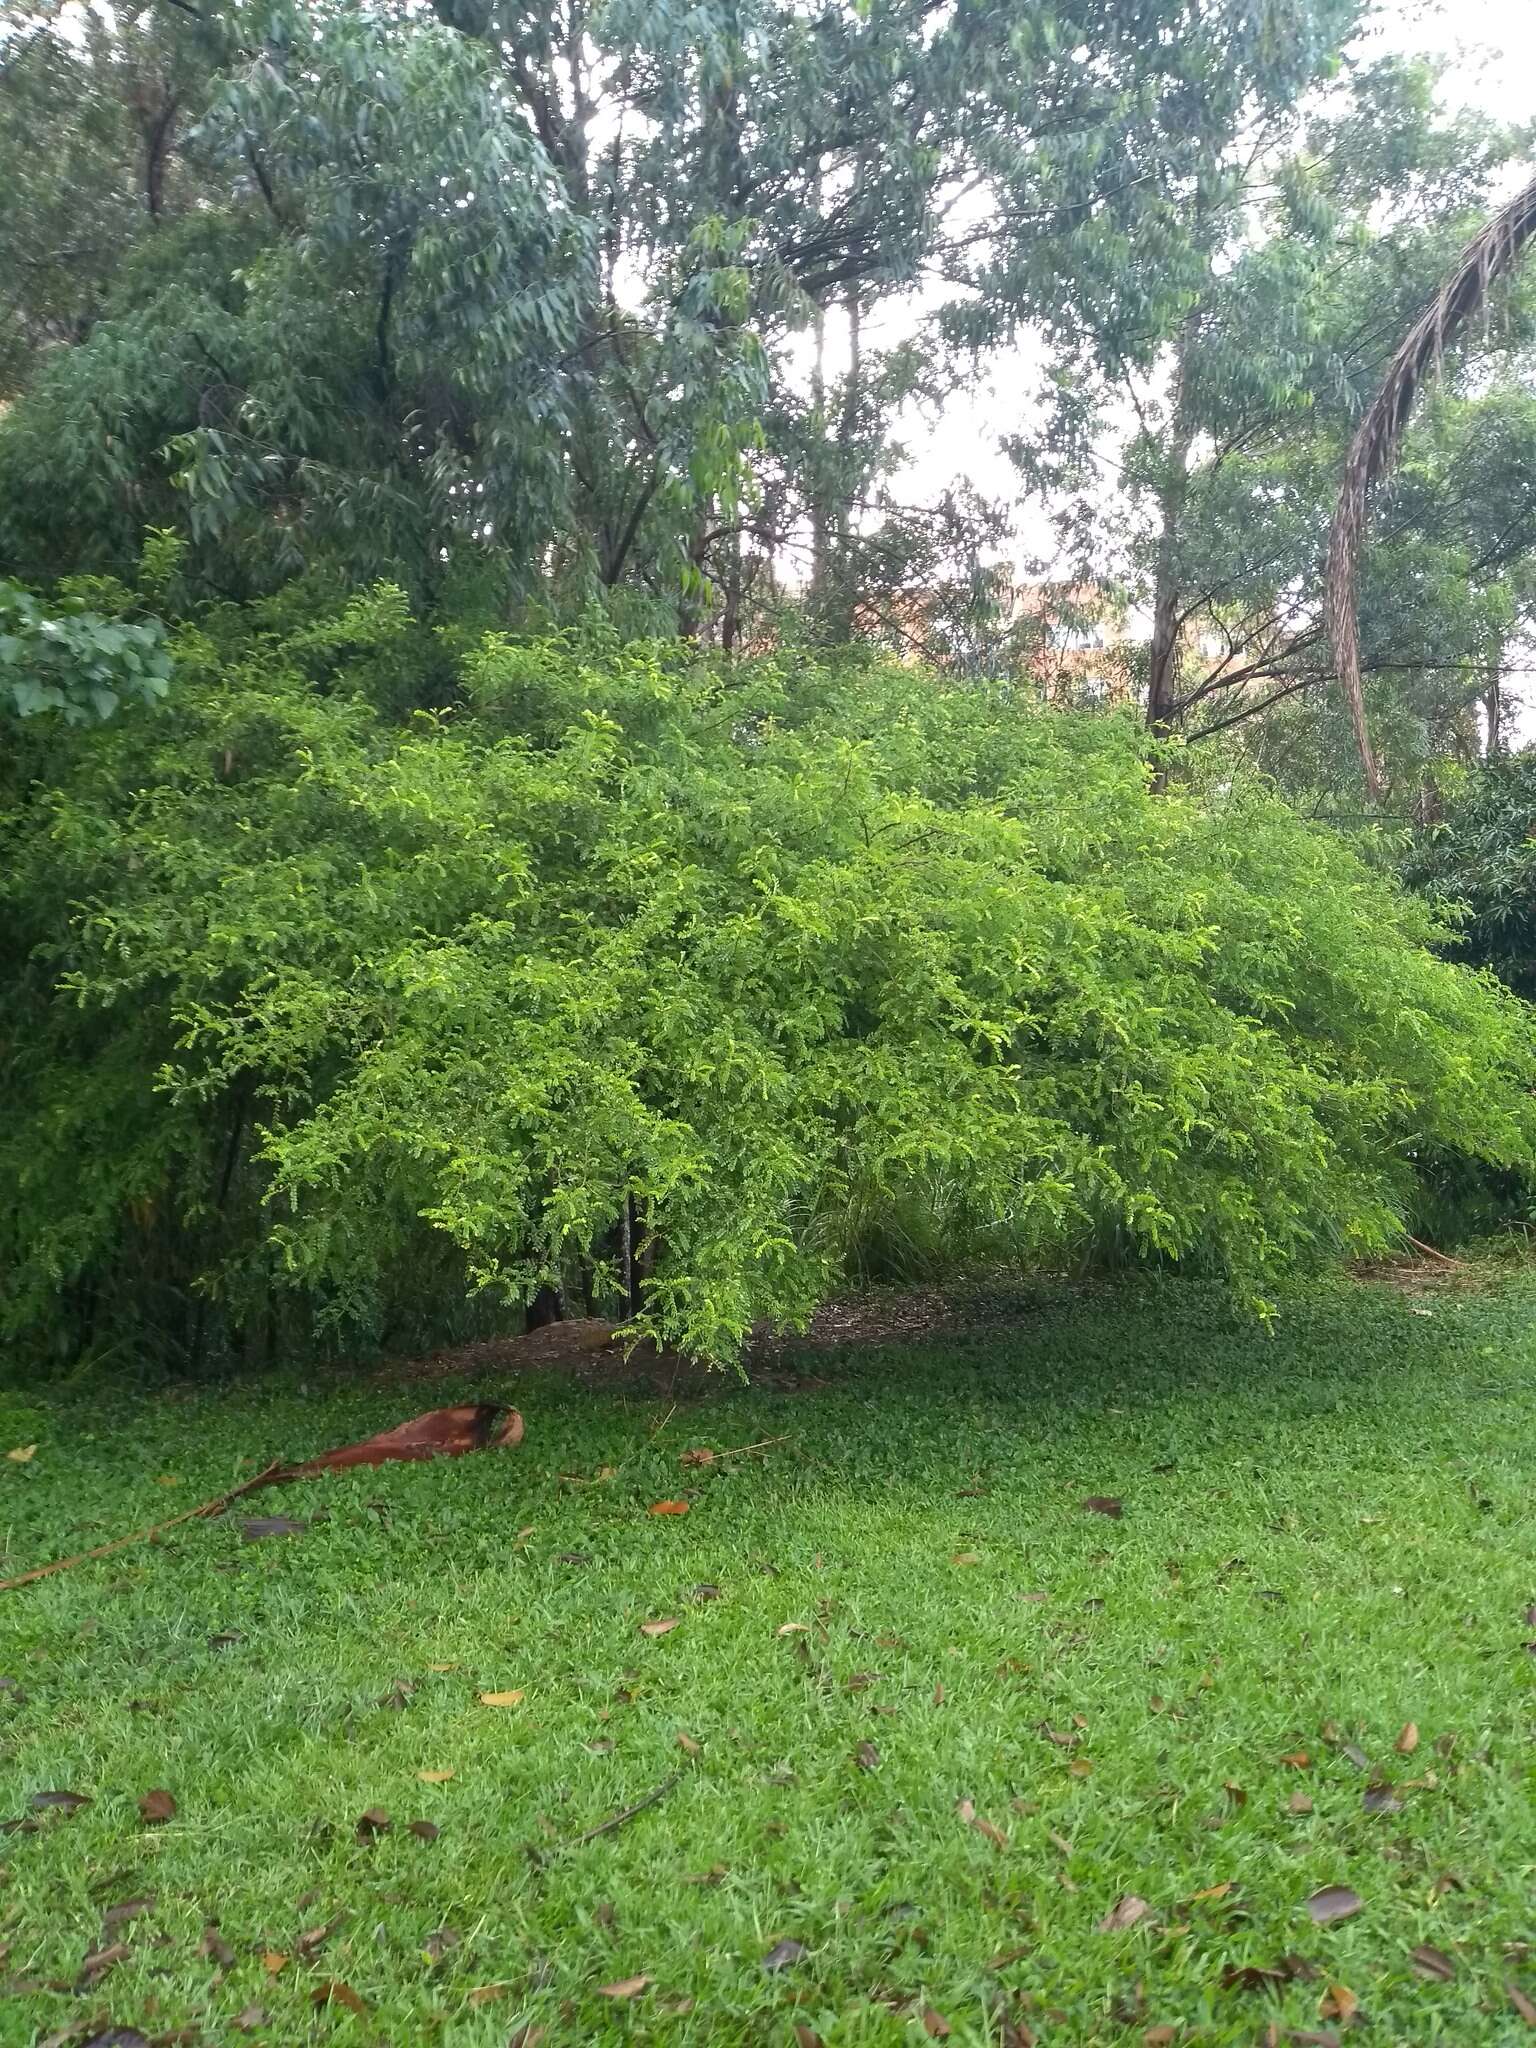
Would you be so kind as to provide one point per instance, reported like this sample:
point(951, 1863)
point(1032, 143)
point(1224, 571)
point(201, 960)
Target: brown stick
point(270, 1476)
point(1430, 1253)
point(627, 1813)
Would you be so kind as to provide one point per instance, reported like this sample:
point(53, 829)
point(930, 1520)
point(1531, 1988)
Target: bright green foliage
point(65, 657)
point(760, 950)
point(1304, 1512)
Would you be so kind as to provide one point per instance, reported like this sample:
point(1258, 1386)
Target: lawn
point(941, 1752)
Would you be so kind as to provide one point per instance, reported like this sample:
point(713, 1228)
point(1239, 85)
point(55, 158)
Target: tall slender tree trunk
point(1164, 662)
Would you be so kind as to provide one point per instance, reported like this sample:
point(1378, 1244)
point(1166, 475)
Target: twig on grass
point(270, 1475)
point(627, 1813)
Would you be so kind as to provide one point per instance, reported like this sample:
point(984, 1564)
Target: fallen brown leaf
point(807, 2037)
point(261, 1526)
point(623, 1987)
point(1299, 1803)
point(705, 1592)
point(1432, 1962)
point(1213, 1891)
point(1381, 1799)
point(793, 1628)
point(156, 1807)
point(96, 1965)
point(934, 2024)
point(782, 1954)
point(128, 1909)
point(60, 1802)
point(1104, 1504)
point(214, 1948)
point(1339, 2003)
point(313, 1939)
point(485, 1994)
point(273, 1960)
point(1297, 1759)
point(423, 1830)
point(866, 1756)
point(501, 1699)
point(23, 1454)
point(1159, 2037)
point(669, 1507)
point(524, 2037)
point(373, 1823)
point(1408, 1741)
point(687, 1745)
point(337, 1993)
point(250, 2019)
point(1081, 1767)
point(435, 1777)
point(659, 1628)
point(965, 1557)
point(1126, 1911)
point(698, 1457)
point(1522, 2004)
point(1334, 1902)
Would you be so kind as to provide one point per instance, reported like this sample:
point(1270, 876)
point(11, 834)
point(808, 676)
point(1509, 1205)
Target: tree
point(1492, 254)
point(531, 288)
point(1318, 222)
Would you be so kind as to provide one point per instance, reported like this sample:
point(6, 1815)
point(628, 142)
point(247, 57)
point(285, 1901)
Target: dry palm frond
point(1489, 256)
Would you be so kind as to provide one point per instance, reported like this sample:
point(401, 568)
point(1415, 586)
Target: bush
point(327, 1022)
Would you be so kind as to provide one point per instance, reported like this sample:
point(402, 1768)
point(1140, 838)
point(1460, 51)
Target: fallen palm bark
point(441, 1433)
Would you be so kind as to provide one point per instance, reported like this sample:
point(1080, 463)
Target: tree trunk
point(1163, 708)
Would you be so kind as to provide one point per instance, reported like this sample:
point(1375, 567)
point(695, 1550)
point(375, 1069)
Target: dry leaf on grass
point(867, 1757)
point(687, 1745)
point(1339, 2003)
point(59, 1802)
point(435, 1777)
point(1522, 2004)
point(1126, 1911)
point(501, 1699)
point(669, 1507)
point(623, 1987)
point(659, 1628)
point(214, 1948)
point(1408, 1741)
point(156, 1807)
point(261, 1526)
point(373, 1823)
point(96, 1965)
point(1299, 1803)
point(1104, 1504)
point(423, 1830)
point(1432, 1962)
point(934, 2024)
point(337, 1993)
point(23, 1454)
point(273, 1960)
point(965, 1557)
point(782, 1954)
point(1334, 1902)
point(698, 1457)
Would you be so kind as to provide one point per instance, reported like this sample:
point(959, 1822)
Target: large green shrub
point(320, 1018)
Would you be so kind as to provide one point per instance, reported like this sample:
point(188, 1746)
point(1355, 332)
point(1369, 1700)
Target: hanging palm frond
point(1489, 256)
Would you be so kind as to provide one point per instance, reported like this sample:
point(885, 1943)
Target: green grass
point(1326, 1534)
